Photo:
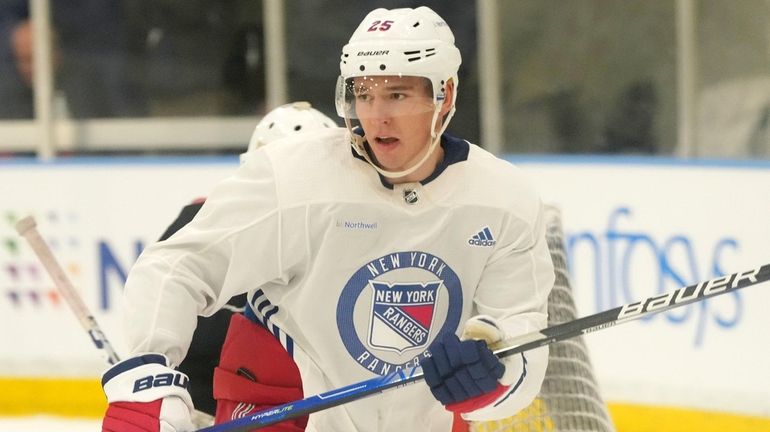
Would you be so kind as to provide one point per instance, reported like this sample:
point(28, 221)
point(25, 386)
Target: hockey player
point(202, 357)
point(357, 261)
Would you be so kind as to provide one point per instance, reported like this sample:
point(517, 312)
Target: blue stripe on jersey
point(265, 303)
point(257, 294)
point(270, 313)
point(248, 312)
point(257, 315)
point(488, 233)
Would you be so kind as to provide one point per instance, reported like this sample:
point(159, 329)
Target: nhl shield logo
point(410, 196)
point(402, 314)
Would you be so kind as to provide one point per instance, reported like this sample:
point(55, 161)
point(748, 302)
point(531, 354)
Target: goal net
point(569, 399)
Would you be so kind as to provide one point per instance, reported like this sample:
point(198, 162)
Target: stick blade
point(25, 224)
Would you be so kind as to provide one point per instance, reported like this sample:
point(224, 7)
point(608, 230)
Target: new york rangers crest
point(402, 314)
point(394, 306)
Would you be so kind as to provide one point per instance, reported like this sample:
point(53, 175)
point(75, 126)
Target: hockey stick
point(27, 228)
point(632, 311)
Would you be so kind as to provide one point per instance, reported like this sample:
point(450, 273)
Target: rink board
point(634, 227)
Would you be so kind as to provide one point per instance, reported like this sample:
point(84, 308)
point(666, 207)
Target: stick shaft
point(609, 318)
point(633, 311)
point(27, 228)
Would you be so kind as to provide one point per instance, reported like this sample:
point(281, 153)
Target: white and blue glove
point(145, 395)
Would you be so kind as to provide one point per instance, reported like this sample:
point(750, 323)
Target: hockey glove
point(464, 375)
point(145, 395)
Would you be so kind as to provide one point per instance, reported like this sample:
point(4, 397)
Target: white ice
point(45, 423)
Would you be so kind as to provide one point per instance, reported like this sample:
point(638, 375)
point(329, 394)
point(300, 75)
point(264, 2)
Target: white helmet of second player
point(287, 120)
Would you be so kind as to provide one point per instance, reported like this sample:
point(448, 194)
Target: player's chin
point(386, 156)
point(389, 163)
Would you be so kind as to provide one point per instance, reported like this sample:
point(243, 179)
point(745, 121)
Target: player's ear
point(448, 97)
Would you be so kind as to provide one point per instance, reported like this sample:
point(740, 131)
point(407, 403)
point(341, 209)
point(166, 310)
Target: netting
point(570, 400)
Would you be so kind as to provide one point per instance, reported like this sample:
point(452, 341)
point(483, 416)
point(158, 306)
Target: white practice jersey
point(354, 276)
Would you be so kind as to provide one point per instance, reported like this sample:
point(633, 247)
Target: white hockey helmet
point(285, 120)
point(399, 42)
point(404, 42)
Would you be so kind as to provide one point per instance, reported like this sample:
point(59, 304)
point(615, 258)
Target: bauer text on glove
point(146, 395)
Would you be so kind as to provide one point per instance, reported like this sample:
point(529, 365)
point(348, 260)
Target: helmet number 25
point(380, 25)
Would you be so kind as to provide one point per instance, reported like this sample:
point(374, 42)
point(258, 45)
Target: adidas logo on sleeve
point(482, 238)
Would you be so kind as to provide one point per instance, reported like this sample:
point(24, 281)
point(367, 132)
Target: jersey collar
point(455, 150)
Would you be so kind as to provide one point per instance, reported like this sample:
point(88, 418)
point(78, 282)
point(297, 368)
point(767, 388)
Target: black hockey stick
point(632, 311)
